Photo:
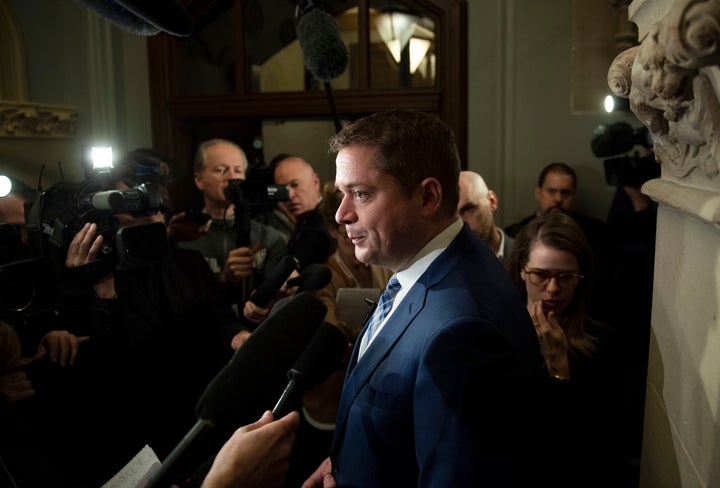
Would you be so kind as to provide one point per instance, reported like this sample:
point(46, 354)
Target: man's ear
point(198, 181)
point(493, 200)
point(316, 180)
point(538, 193)
point(431, 196)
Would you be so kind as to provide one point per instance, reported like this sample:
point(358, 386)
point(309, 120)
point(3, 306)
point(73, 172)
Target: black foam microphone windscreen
point(246, 386)
point(274, 280)
point(257, 373)
point(314, 277)
point(320, 359)
point(143, 17)
point(324, 52)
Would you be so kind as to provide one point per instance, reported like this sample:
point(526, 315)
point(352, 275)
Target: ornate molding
point(36, 120)
point(671, 81)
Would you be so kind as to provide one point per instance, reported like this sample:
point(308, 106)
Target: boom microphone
point(320, 359)
point(143, 17)
point(274, 280)
point(314, 277)
point(243, 389)
point(324, 52)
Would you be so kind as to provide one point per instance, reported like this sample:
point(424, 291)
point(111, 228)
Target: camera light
point(5, 186)
point(101, 158)
point(609, 103)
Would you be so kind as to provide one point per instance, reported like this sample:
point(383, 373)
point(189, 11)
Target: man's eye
point(360, 195)
point(542, 275)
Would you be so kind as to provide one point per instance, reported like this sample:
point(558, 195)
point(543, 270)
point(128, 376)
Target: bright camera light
point(101, 158)
point(609, 103)
point(5, 186)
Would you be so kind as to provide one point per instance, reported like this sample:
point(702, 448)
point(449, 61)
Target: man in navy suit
point(443, 391)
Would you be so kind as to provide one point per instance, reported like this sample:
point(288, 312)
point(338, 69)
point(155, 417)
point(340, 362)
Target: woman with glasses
point(551, 264)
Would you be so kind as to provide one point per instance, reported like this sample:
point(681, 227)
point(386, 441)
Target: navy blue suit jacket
point(446, 392)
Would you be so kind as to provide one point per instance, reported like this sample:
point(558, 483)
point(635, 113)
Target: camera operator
point(629, 162)
point(59, 346)
point(159, 331)
point(239, 267)
point(12, 212)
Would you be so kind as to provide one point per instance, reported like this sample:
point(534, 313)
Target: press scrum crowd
point(214, 335)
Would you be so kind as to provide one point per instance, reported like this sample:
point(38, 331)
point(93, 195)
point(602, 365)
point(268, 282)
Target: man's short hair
point(410, 146)
point(199, 161)
point(143, 165)
point(276, 160)
point(557, 167)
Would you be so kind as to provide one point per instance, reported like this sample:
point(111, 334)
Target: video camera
point(59, 213)
point(252, 195)
point(626, 170)
point(247, 192)
point(28, 286)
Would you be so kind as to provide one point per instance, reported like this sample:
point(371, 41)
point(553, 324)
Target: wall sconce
point(396, 29)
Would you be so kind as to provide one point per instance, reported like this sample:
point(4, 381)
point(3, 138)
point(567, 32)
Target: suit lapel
point(397, 324)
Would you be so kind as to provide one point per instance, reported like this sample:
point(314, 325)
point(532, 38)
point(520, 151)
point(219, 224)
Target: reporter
point(159, 330)
point(551, 264)
point(256, 455)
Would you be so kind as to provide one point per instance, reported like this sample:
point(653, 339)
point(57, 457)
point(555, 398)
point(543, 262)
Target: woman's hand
point(552, 339)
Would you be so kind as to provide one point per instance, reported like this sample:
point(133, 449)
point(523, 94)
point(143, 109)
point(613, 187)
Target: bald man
point(310, 241)
point(476, 207)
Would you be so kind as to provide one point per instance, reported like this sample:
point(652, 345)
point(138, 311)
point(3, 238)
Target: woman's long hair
point(559, 231)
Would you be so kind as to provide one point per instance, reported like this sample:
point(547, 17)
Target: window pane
point(210, 58)
point(402, 46)
point(275, 56)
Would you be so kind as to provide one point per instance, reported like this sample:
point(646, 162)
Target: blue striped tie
point(384, 306)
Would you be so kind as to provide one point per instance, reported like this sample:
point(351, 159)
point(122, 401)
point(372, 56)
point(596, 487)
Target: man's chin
point(555, 210)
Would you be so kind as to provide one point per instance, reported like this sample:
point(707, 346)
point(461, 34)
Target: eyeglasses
point(541, 277)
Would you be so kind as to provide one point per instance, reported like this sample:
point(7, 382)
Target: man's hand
point(61, 345)
point(322, 477)
point(255, 313)
point(181, 230)
point(14, 384)
point(239, 264)
point(84, 247)
point(239, 339)
point(257, 455)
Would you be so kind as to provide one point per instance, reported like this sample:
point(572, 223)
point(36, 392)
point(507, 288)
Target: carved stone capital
point(671, 79)
point(36, 120)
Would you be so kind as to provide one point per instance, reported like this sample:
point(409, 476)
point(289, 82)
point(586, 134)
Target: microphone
point(243, 389)
point(314, 277)
point(143, 17)
point(324, 52)
point(274, 280)
point(318, 361)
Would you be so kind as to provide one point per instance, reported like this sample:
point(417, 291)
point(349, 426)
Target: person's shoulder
point(265, 233)
point(587, 222)
point(512, 230)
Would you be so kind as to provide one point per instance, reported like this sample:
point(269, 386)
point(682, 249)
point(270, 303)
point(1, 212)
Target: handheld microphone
point(274, 280)
point(142, 17)
point(243, 389)
point(314, 277)
point(320, 359)
point(324, 52)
